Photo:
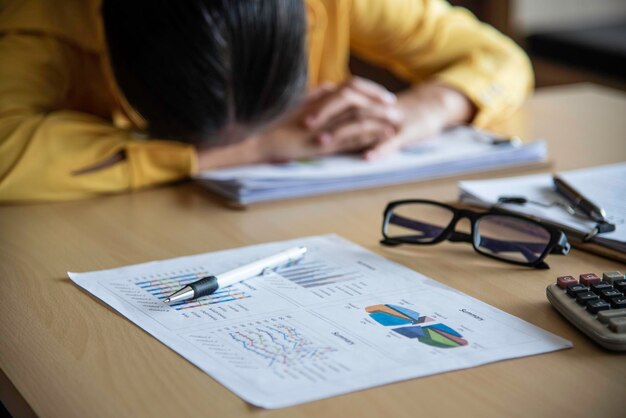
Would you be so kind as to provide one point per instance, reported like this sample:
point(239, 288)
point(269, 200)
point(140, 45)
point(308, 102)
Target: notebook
point(457, 151)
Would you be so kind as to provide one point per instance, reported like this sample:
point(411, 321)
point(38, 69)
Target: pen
point(491, 139)
point(207, 285)
point(579, 201)
point(513, 141)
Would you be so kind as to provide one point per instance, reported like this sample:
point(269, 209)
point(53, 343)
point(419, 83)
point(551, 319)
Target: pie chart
point(390, 315)
point(436, 335)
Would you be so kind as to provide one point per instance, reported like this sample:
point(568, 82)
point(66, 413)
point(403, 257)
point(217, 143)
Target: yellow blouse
point(60, 110)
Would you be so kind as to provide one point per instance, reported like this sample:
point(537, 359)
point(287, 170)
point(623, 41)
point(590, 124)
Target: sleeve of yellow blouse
point(429, 39)
point(50, 153)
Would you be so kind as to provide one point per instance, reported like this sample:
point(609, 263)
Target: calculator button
point(609, 294)
point(584, 297)
point(620, 285)
point(604, 316)
point(596, 306)
point(597, 287)
point(565, 281)
point(611, 276)
point(588, 278)
point(618, 303)
point(574, 289)
point(617, 324)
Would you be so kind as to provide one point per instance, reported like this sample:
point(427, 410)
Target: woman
point(119, 95)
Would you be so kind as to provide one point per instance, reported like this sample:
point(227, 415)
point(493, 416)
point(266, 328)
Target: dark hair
point(194, 67)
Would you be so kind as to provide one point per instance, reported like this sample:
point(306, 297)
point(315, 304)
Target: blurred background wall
point(568, 41)
point(573, 41)
point(531, 16)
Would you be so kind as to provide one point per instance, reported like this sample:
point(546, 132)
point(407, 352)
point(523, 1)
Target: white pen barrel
point(257, 267)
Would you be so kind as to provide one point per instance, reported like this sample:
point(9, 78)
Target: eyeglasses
point(506, 237)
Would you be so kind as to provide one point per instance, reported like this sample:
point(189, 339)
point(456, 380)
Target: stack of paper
point(457, 151)
point(604, 185)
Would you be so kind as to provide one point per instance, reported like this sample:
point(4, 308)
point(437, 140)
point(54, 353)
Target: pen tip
point(166, 300)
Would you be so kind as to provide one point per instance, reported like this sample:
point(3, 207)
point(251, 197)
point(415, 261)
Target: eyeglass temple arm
point(428, 230)
point(460, 237)
point(529, 250)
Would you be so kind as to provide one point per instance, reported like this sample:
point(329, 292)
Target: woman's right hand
point(284, 140)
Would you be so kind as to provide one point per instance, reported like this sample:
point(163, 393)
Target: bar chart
point(317, 273)
point(160, 288)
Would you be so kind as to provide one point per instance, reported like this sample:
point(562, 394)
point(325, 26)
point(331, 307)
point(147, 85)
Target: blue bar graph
point(160, 288)
point(316, 273)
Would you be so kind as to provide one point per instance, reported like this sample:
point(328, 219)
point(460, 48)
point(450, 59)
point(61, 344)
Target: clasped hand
point(362, 116)
point(358, 116)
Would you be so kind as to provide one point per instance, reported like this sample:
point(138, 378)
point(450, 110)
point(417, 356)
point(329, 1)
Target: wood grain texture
point(69, 355)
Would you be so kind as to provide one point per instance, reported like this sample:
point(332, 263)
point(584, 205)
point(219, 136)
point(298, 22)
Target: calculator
point(595, 305)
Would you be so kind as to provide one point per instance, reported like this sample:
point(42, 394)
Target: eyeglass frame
point(558, 243)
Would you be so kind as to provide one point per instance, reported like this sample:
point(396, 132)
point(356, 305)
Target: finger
point(349, 116)
point(373, 90)
point(334, 105)
point(320, 91)
point(357, 135)
point(384, 149)
point(353, 144)
point(392, 115)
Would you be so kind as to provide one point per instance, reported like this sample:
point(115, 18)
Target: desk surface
point(69, 355)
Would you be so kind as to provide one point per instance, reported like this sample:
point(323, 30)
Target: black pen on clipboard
point(584, 205)
point(578, 201)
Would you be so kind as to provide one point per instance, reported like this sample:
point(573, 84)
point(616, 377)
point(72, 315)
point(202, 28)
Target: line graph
point(279, 345)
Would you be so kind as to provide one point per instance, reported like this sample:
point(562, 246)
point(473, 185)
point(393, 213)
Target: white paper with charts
point(343, 319)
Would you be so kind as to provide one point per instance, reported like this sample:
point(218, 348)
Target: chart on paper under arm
point(342, 319)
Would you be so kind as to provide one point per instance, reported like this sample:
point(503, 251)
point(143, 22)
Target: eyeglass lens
point(418, 222)
point(511, 238)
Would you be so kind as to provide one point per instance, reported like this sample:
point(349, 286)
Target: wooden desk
point(71, 356)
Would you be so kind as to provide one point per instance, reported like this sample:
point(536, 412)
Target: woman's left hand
point(419, 113)
point(429, 109)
